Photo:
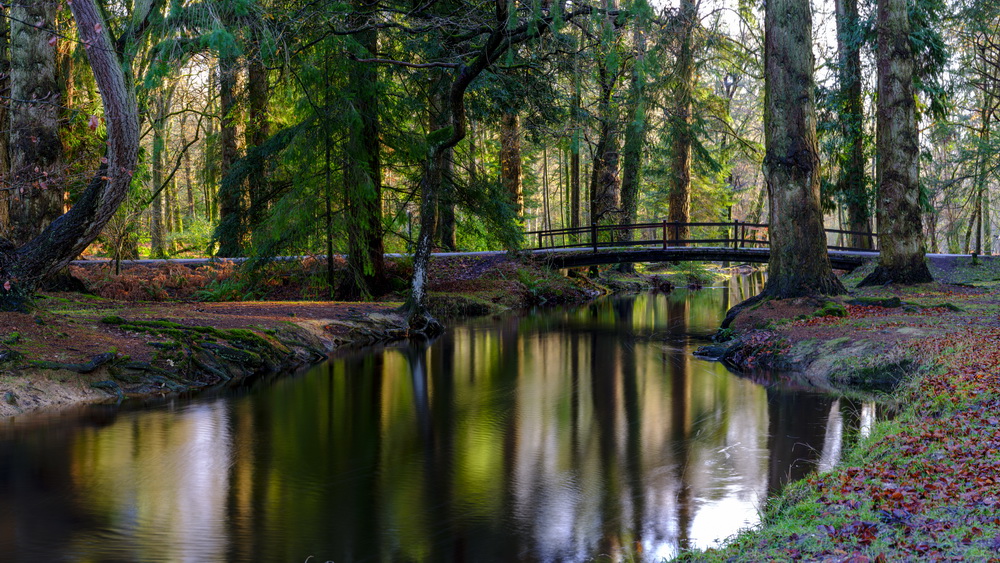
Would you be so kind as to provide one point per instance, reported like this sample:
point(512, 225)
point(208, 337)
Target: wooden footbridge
point(646, 242)
point(672, 242)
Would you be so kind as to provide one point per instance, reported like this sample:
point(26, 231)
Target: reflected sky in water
point(555, 436)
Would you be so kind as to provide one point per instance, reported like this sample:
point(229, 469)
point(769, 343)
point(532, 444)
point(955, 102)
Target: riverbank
point(149, 331)
point(923, 486)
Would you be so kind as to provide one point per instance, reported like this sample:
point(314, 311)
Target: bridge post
point(539, 239)
point(736, 233)
point(593, 235)
point(664, 235)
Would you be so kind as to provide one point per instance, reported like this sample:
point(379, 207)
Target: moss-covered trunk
point(901, 241)
point(36, 152)
point(799, 264)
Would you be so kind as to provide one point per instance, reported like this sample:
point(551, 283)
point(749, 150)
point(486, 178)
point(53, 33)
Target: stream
point(556, 435)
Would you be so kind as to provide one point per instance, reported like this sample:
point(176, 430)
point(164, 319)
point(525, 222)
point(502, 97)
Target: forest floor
point(924, 486)
point(148, 331)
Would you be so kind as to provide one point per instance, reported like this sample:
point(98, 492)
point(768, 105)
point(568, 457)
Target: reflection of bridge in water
point(674, 242)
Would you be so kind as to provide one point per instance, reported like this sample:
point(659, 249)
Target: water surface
point(556, 436)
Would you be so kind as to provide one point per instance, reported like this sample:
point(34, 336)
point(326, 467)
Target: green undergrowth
point(684, 274)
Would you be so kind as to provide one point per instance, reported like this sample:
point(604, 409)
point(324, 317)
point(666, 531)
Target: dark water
point(557, 436)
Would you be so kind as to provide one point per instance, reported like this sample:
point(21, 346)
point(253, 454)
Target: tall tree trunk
point(510, 159)
point(635, 140)
point(799, 264)
point(36, 152)
point(605, 188)
point(158, 160)
point(5, 183)
point(231, 206)
point(852, 184)
point(901, 244)
point(22, 269)
point(680, 122)
point(575, 143)
point(258, 127)
point(363, 176)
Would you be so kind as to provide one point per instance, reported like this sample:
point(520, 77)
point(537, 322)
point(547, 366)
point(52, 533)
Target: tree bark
point(605, 187)
point(158, 164)
point(36, 152)
point(231, 206)
point(901, 244)
point(799, 264)
point(635, 140)
point(363, 176)
point(510, 159)
point(4, 116)
point(22, 269)
point(257, 126)
point(852, 184)
point(680, 174)
point(574, 156)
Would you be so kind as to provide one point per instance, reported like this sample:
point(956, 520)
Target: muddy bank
point(857, 343)
point(77, 348)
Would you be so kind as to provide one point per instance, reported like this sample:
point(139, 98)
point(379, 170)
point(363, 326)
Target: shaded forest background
point(294, 128)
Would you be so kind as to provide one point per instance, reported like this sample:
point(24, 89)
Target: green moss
point(113, 320)
point(831, 309)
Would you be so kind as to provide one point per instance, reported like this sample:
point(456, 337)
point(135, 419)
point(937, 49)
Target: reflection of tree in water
point(796, 431)
point(678, 359)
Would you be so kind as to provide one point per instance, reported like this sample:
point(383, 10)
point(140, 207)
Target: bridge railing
point(667, 234)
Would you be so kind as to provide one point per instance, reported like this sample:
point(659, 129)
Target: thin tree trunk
point(231, 207)
point(258, 127)
point(36, 152)
point(363, 177)
point(901, 252)
point(510, 159)
point(156, 217)
point(635, 140)
point(547, 221)
point(852, 184)
point(5, 182)
point(680, 173)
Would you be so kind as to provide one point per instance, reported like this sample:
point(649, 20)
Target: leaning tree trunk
point(901, 243)
point(799, 264)
point(22, 269)
point(35, 197)
point(680, 173)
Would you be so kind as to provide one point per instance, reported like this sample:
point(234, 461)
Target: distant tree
point(22, 268)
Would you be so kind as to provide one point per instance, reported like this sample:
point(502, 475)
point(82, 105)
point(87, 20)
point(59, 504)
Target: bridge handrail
point(742, 235)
